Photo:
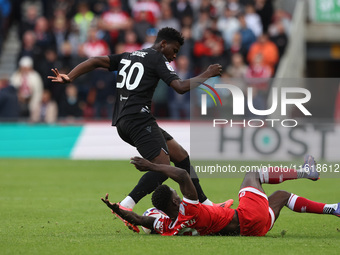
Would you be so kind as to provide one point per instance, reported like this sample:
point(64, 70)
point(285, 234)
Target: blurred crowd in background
point(247, 37)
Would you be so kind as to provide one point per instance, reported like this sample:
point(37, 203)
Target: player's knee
point(252, 175)
point(176, 151)
point(282, 195)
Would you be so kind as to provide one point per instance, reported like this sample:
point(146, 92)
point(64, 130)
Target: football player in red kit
point(254, 216)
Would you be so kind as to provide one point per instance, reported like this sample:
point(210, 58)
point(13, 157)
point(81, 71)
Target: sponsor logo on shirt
point(139, 53)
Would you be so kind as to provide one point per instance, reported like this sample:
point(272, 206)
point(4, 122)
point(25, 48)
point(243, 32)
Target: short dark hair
point(169, 34)
point(161, 197)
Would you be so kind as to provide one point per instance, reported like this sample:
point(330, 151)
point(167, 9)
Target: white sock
point(207, 202)
point(291, 201)
point(128, 202)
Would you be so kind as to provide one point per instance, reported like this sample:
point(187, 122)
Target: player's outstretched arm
point(182, 86)
point(84, 67)
point(179, 175)
point(131, 217)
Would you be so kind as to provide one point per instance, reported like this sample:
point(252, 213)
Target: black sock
point(147, 184)
point(185, 164)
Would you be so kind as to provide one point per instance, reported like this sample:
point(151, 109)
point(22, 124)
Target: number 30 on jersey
point(130, 78)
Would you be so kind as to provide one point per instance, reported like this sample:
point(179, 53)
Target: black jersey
point(137, 78)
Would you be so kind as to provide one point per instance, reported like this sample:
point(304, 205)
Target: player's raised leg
point(274, 175)
point(252, 179)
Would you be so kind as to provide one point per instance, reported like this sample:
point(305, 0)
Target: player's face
point(175, 197)
point(170, 50)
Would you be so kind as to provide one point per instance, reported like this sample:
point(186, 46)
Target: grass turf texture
point(54, 207)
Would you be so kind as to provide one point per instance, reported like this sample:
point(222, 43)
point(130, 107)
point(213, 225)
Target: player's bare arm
point(177, 174)
point(84, 67)
point(130, 216)
point(183, 86)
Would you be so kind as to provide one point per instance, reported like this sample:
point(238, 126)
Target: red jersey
point(195, 218)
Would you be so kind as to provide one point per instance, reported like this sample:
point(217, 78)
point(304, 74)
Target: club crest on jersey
point(181, 209)
point(169, 66)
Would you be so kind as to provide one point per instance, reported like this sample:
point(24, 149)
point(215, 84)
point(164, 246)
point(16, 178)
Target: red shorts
point(255, 216)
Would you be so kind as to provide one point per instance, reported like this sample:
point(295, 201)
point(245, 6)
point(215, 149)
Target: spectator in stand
point(179, 105)
point(253, 20)
point(210, 49)
point(95, 46)
point(28, 47)
point(258, 71)
point(257, 77)
point(98, 94)
point(9, 107)
point(234, 6)
point(283, 17)
point(46, 111)
point(83, 20)
point(29, 20)
point(66, 6)
point(44, 37)
point(268, 50)
point(70, 106)
point(238, 68)
point(29, 86)
point(237, 46)
point(150, 38)
point(167, 19)
point(181, 9)
point(265, 10)
point(5, 11)
point(60, 30)
point(248, 36)
point(142, 26)
point(66, 55)
point(151, 7)
point(278, 36)
point(131, 43)
point(99, 6)
point(114, 21)
point(188, 46)
point(201, 25)
point(228, 25)
point(208, 6)
point(104, 97)
point(46, 64)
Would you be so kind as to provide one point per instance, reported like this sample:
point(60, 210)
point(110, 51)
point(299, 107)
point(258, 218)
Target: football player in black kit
point(137, 77)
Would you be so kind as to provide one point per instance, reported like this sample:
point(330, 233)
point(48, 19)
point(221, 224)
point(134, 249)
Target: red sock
point(275, 175)
point(301, 204)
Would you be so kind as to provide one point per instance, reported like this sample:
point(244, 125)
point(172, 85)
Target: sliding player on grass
point(254, 216)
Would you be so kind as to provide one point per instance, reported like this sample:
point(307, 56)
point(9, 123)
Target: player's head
point(165, 198)
point(169, 41)
point(169, 34)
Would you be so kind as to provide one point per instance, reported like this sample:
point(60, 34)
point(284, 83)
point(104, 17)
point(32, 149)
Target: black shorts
point(142, 131)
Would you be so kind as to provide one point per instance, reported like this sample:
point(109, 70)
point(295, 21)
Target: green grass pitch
point(54, 207)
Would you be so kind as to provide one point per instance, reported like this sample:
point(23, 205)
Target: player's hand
point(60, 78)
point(140, 163)
point(215, 70)
point(113, 206)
